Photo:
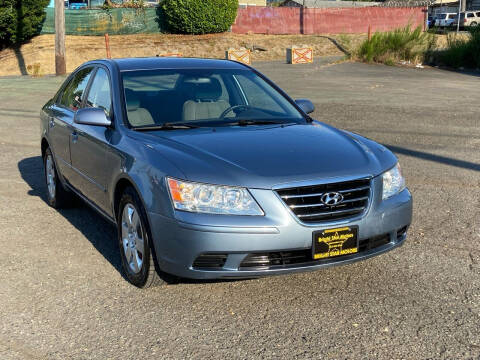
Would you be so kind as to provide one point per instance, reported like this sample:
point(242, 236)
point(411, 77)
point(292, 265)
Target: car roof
point(153, 63)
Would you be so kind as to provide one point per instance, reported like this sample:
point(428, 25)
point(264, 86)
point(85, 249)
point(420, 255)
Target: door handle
point(51, 123)
point(74, 137)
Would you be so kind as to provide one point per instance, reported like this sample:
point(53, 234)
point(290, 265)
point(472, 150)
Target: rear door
point(90, 145)
point(60, 122)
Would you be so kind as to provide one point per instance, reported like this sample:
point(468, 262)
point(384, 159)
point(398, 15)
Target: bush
point(199, 16)
point(131, 4)
point(399, 44)
point(20, 20)
point(462, 52)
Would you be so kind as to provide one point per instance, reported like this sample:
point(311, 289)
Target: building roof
point(330, 3)
point(445, 2)
point(408, 3)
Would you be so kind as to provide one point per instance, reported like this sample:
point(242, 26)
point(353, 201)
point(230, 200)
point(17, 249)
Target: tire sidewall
point(51, 201)
point(139, 279)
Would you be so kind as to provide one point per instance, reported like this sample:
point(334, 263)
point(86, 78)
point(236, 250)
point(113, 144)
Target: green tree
point(199, 16)
point(20, 20)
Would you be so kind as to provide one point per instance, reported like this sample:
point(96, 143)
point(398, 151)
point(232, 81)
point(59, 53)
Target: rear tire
point(57, 196)
point(134, 241)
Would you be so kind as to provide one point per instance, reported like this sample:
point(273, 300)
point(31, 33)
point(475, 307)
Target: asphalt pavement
point(62, 294)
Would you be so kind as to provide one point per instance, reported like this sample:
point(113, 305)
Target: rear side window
point(150, 82)
point(470, 15)
point(99, 94)
point(72, 96)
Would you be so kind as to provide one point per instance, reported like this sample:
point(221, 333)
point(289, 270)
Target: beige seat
point(206, 104)
point(137, 116)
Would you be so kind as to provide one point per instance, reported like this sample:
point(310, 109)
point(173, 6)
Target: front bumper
point(179, 242)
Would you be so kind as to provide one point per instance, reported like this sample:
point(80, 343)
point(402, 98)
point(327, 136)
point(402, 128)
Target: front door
point(90, 145)
point(60, 121)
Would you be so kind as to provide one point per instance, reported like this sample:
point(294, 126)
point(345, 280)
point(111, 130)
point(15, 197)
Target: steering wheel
point(231, 108)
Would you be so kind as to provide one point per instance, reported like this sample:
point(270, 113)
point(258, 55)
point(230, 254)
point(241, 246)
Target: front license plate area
point(335, 242)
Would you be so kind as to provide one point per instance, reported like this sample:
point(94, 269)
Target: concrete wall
point(284, 20)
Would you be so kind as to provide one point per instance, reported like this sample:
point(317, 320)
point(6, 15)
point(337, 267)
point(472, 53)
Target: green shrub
point(399, 44)
point(20, 20)
point(199, 16)
point(462, 52)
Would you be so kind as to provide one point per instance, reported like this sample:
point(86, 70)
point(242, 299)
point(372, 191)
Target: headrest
point(204, 88)
point(132, 100)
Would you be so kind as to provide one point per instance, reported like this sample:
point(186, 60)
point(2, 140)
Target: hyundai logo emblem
point(331, 198)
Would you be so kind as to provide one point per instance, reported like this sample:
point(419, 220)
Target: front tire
point(138, 262)
point(57, 196)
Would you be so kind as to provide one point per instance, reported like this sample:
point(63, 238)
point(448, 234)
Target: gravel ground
point(62, 295)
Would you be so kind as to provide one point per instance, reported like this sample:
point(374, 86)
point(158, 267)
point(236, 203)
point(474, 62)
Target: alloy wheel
point(132, 238)
point(50, 176)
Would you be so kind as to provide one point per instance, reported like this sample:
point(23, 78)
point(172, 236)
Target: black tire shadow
point(101, 233)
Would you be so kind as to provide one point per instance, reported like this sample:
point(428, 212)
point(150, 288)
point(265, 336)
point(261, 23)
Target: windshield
point(203, 97)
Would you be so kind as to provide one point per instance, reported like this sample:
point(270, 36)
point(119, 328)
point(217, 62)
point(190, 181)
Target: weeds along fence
point(462, 51)
point(254, 19)
point(396, 45)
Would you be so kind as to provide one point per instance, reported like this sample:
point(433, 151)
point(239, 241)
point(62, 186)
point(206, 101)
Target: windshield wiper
point(165, 126)
point(244, 122)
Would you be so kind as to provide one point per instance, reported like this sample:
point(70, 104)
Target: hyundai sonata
point(209, 170)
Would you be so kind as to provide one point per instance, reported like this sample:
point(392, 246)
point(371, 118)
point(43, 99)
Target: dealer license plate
point(335, 242)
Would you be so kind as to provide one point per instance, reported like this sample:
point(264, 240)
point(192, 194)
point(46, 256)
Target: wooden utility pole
point(107, 46)
point(60, 62)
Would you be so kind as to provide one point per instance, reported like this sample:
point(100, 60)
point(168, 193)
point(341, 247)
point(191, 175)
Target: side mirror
point(92, 116)
point(306, 105)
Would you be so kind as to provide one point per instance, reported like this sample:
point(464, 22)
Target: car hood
point(271, 156)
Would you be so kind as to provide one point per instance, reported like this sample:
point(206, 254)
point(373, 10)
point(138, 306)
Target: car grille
point(306, 204)
point(282, 259)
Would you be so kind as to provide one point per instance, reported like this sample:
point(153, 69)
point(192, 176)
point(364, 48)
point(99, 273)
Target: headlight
point(212, 199)
point(393, 182)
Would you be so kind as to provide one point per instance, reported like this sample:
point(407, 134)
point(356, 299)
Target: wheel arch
point(121, 184)
point(44, 146)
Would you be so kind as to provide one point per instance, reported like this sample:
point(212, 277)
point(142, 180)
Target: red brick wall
point(288, 20)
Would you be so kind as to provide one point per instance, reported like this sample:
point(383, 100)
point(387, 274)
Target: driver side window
point(72, 96)
point(99, 95)
point(255, 94)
